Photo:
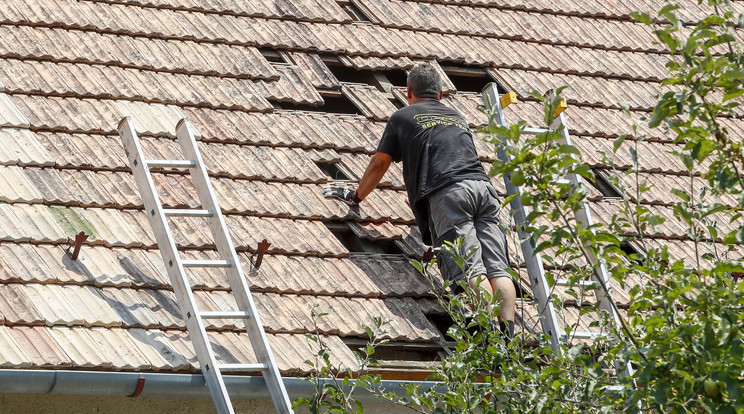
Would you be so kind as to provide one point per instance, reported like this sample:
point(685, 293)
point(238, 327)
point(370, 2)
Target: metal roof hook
point(263, 246)
point(80, 238)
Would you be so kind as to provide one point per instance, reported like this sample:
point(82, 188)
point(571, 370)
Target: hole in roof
point(633, 253)
point(603, 185)
point(397, 77)
point(356, 244)
point(333, 170)
point(397, 351)
point(469, 79)
point(470, 83)
point(443, 322)
point(335, 103)
point(273, 56)
point(353, 11)
point(397, 103)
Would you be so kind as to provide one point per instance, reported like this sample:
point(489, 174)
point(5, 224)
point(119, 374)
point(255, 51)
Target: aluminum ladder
point(175, 265)
point(599, 282)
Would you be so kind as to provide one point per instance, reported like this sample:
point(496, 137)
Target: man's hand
point(346, 195)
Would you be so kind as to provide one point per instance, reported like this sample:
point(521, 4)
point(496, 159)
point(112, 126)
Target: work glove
point(346, 195)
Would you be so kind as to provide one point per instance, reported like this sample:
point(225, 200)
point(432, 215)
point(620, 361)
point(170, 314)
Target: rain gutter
point(135, 384)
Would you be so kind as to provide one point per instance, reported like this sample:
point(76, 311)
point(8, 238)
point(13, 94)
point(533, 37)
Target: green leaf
point(681, 194)
point(733, 94)
point(618, 142)
point(644, 17)
point(728, 266)
point(669, 7)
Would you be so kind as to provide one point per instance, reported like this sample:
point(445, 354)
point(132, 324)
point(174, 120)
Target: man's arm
point(376, 169)
point(378, 166)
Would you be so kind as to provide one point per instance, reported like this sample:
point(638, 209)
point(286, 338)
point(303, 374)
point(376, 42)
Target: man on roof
point(449, 191)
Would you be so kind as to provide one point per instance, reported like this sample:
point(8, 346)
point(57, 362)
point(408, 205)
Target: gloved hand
point(346, 195)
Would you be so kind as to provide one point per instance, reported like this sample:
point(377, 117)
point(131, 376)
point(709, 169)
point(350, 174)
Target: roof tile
point(53, 305)
point(22, 262)
point(171, 55)
point(293, 86)
point(83, 80)
point(376, 63)
point(129, 306)
point(21, 146)
point(315, 70)
point(11, 353)
point(40, 348)
point(371, 102)
point(16, 307)
point(80, 347)
point(159, 350)
point(16, 186)
point(120, 348)
point(10, 114)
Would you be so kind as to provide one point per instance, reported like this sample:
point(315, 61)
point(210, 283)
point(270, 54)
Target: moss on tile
point(72, 222)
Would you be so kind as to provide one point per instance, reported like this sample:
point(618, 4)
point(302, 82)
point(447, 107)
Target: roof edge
point(125, 384)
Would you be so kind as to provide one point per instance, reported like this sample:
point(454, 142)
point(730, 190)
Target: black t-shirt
point(437, 149)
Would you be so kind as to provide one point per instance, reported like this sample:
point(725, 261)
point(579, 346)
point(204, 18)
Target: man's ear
point(441, 94)
point(409, 94)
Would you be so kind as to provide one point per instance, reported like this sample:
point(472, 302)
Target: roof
point(276, 90)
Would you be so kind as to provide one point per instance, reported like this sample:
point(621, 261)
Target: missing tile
point(604, 185)
point(356, 245)
point(399, 351)
point(334, 171)
point(469, 79)
point(333, 102)
point(396, 77)
point(274, 56)
point(633, 252)
point(443, 322)
point(353, 11)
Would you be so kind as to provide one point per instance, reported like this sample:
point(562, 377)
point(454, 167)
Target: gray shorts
point(469, 209)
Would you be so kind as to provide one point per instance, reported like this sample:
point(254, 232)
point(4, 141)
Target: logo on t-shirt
point(430, 120)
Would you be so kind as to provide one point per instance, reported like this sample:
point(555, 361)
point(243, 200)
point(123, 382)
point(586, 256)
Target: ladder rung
point(187, 212)
point(225, 315)
point(563, 181)
point(590, 284)
point(243, 367)
point(534, 131)
point(584, 335)
point(206, 263)
point(171, 163)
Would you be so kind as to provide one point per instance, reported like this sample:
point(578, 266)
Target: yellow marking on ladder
point(508, 98)
point(561, 107)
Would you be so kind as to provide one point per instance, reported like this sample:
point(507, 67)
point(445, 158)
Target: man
point(449, 191)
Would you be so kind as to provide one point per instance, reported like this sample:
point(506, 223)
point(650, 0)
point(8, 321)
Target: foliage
point(681, 333)
point(335, 386)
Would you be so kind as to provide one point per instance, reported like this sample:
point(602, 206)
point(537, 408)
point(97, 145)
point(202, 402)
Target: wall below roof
point(45, 403)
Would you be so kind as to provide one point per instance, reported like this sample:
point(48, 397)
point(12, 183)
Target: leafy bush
point(682, 330)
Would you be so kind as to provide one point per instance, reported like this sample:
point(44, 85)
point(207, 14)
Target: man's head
point(424, 82)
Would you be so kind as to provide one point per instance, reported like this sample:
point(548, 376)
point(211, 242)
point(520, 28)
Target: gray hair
point(424, 81)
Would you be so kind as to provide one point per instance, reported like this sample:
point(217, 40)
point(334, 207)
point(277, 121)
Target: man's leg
point(452, 211)
point(507, 296)
point(494, 253)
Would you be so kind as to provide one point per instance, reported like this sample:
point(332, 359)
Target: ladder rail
point(174, 266)
point(241, 292)
point(584, 217)
point(533, 261)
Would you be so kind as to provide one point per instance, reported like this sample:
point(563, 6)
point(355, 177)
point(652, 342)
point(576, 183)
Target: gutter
point(135, 384)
